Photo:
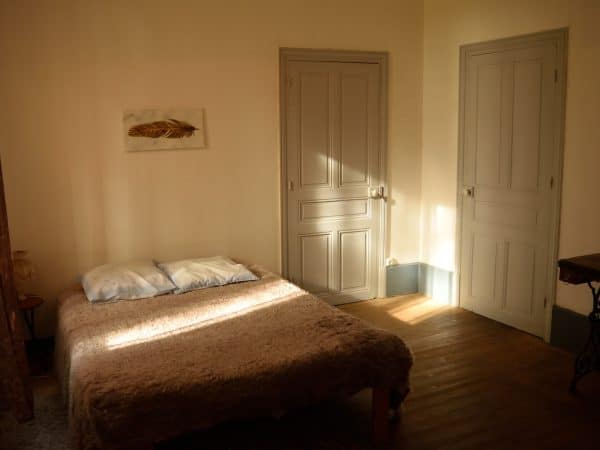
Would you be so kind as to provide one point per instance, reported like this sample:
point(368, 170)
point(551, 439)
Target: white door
point(508, 167)
point(332, 147)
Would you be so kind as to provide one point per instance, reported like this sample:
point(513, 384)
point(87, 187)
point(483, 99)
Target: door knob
point(469, 191)
point(376, 192)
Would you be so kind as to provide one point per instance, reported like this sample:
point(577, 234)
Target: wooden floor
point(476, 384)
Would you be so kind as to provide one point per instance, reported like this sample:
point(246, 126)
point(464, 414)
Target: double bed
point(134, 373)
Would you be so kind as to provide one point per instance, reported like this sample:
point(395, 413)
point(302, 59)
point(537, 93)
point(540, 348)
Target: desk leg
point(589, 358)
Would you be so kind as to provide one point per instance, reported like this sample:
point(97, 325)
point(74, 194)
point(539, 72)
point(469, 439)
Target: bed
point(137, 372)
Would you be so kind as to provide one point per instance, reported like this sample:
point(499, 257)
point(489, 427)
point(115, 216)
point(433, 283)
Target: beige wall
point(69, 69)
point(451, 23)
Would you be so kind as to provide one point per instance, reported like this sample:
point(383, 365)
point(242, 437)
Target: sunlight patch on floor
point(417, 310)
point(409, 309)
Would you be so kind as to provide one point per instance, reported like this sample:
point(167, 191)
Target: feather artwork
point(163, 129)
point(169, 128)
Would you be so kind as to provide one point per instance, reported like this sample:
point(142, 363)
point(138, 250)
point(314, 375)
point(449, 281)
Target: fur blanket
point(136, 372)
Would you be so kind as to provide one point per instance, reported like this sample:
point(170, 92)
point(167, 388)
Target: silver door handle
point(469, 191)
point(376, 192)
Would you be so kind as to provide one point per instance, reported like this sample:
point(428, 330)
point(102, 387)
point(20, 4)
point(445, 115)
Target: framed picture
point(168, 129)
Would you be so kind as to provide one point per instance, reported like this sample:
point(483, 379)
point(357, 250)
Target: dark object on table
point(580, 270)
point(27, 307)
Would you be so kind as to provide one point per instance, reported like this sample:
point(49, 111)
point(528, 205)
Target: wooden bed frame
point(385, 406)
point(386, 403)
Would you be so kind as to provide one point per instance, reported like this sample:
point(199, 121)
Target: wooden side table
point(28, 306)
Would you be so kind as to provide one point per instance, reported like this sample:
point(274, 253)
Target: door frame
point(560, 39)
point(287, 55)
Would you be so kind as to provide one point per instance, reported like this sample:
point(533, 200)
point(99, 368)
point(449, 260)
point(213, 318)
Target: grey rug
point(48, 431)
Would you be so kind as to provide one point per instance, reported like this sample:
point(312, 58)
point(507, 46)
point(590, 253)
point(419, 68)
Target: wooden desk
point(585, 270)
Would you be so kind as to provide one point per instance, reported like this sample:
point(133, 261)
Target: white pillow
point(128, 281)
point(201, 273)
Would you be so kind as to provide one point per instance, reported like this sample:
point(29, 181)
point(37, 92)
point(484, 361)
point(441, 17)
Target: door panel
point(509, 122)
point(520, 278)
point(332, 135)
point(500, 214)
point(526, 125)
point(315, 262)
point(315, 130)
point(354, 248)
point(489, 120)
point(334, 209)
point(354, 133)
point(485, 257)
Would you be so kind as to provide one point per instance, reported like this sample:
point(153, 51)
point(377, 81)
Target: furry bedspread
point(136, 372)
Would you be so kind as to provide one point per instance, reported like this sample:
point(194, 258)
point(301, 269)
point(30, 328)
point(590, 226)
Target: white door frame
point(316, 55)
point(559, 37)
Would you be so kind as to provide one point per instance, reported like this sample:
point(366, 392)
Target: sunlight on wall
point(441, 234)
point(403, 212)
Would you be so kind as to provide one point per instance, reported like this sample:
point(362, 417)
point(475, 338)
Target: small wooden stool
point(28, 306)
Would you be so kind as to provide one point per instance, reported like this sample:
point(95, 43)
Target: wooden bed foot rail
point(385, 401)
